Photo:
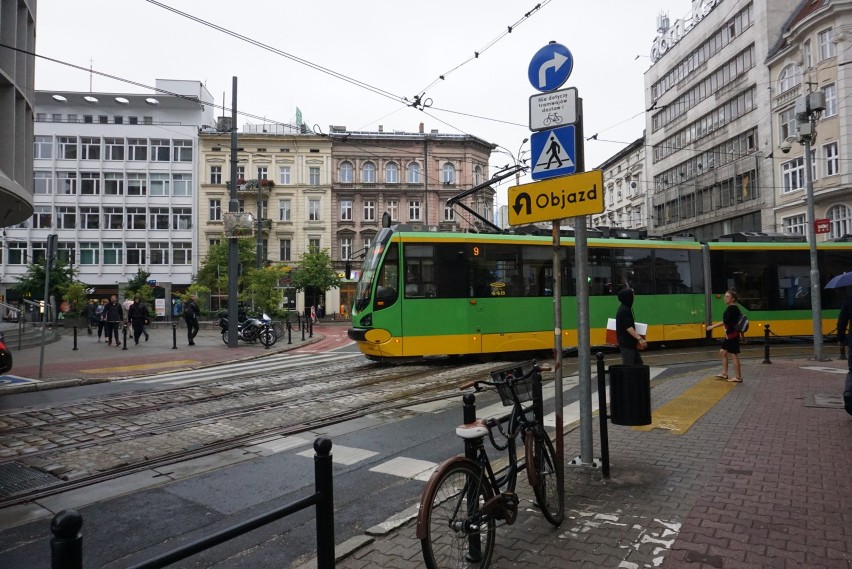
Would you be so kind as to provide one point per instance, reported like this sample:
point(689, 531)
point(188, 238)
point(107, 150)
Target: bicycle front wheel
point(544, 476)
point(458, 533)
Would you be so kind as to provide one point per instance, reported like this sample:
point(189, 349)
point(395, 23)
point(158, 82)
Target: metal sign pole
point(557, 346)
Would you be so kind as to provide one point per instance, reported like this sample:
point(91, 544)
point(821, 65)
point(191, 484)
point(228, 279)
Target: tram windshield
point(369, 269)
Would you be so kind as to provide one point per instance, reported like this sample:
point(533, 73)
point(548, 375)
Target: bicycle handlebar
point(477, 383)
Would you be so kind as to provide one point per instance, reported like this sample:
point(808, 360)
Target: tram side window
point(495, 270)
point(633, 268)
point(600, 272)
point(674, 273)
point(420, 271)
point(452, 271)
point(387, 282)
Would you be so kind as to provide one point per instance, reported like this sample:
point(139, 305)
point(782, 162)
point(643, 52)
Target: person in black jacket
point(113, 317)
point(191, 311)
point(844, 336)
point(629, 340)
point(138, 315)
point(731, 343)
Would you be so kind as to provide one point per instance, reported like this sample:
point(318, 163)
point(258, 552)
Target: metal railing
point(66, 546)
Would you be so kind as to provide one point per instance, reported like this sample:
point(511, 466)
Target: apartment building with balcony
point(710, 148)
point(114, 176)
point(295, 208)
point(408, 175)
point(812, 56)
point(16, 107)
point(625, 199)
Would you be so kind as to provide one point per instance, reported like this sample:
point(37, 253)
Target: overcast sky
point(397, 49)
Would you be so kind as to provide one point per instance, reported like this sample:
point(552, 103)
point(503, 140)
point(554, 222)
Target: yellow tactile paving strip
point(679, 414)
point(141, 367)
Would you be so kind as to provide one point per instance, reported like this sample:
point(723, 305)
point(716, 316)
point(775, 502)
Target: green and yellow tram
point(431, 293)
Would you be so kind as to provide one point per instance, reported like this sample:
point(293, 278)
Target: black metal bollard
point(474, 543)
point(125, 337)
point(75, 338)
point(325, 504)
point(289, 333)
point(311, 328)
point(303, 331)
point(66, 546)
point(766, 344)
point(174, 335)
point(602, 413)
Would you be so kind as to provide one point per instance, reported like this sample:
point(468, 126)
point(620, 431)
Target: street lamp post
point(808, 108)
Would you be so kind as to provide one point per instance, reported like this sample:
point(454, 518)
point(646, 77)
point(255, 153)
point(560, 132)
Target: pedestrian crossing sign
point(553, 152)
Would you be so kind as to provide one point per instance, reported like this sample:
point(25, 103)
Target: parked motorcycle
point(249, 330)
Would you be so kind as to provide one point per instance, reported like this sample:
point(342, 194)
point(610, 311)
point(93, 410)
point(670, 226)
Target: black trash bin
point(630, 395)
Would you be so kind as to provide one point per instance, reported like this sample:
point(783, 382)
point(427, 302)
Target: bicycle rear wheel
point(458, 534)
point(544, 476)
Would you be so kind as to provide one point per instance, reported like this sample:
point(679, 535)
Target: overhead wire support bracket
point(499, 176)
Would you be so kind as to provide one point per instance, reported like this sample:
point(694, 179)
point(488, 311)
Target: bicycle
point(464, 499)
point(553, 118)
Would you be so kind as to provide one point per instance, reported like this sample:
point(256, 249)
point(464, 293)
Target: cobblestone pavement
point(761, 480)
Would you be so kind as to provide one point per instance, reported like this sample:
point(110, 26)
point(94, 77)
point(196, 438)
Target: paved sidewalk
point(166, 350)
point(762, 479)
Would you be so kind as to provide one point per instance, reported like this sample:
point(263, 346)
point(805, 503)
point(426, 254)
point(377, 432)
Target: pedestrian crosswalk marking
point(344, 455)
point(403, 467)
point(277, 445)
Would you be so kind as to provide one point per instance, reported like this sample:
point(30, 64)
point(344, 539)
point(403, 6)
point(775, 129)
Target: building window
point(830, 100)
point(90, 183)
point(42, 217)
point(345, 173)
point(369, 210)
point(790, 77)
point(91, 148)
point(241, 173)
point(67, 253)
point(787, 123)
point(793, 175)
point(159, 253)
point(114, 149)
point(826, 46)
point(262, 173)
point(113, 218)
point(413, 173)
point(314, 176)
point(159, 184)
point(66, 217)
point(113, 253)
point(215, 174)
point(137, 149)
point(42, 183)
point(449, 213)
point(393, 209)
point(284, 210)
point(182, 184)
point(43, 147)
point(414, 210)
point(832, 159)
point(314, 244)
point(313, 209)
point(181, 253)
point(136, 218)
point(159, 149)
point(181, 218)
point(840, 217)
point(66, 183)
point(284, 248)
point(90, 254)
point(368, 173)
point(284, 175)
point(346, 210)
point(136, 253)
point(90, 218)
point(182, 151)
point(66, 147)
point(215, 210)
point(392, 173)
point(345, 248)
point(159, 218)
point(477, 175)
point(808, 54)
point(137, 185)
point(794, 225)
point(113, 184)
point(448, 174)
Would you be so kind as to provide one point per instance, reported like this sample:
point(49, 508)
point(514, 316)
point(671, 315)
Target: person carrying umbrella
point(844, 338)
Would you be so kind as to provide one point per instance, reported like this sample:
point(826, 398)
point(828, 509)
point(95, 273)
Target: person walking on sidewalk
point(190, 316)
point(629, 340)
point(138, 315)
point(99, 317)
point(731, 343)
point(844, 336)
point(113, 316)
point(88, 315)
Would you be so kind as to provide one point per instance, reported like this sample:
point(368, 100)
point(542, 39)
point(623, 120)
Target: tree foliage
point(75, 294)
point(262, 289)
point(315, 270)
point(213, 272)
point(31, 284)
point(138, 286)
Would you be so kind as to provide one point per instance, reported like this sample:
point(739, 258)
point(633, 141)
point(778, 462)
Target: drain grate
point(16, 478)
